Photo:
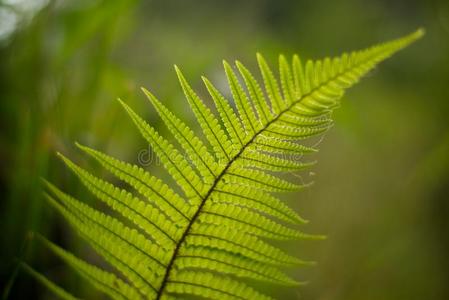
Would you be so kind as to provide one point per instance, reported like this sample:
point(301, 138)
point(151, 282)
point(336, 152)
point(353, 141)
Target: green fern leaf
point(148, 218)
point(152, 188)
point(218, 231)
point(227, 114)
point(105, 281)
point(209, 123)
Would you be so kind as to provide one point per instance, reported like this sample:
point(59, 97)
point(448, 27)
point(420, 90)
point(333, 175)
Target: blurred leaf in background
point(382, 182)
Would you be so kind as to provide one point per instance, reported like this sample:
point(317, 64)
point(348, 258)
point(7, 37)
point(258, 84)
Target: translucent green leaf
point(193, 146)
point(252, 223)
point(256, 93)
point(258, 180)
point(287, 83)
point(174, 162)
point(211, 127)
point(246, 112)
point(263, 161)
point(278, 146)
point(271, 86)
point(105, 281)
point(289, 132)
point(149, 186)
point(145, 216)
point(211, 286)
point(222, 261)
point(257, 200)
point(109, 226)
point(231, 121)
point(125, 259)
point(238, 242)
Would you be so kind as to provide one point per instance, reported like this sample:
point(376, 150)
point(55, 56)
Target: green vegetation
point(380, 188)
point(179, 242)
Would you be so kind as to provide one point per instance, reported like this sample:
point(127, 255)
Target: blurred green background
point(382, 182)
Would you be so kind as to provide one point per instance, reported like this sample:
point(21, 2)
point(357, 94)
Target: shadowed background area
point(382, 182)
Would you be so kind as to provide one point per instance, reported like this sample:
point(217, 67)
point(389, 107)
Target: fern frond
point(287, 83)
point(246, 112)
point(210, 286)
point(258, 180)
point(227, 114)
point(257, 200)
point(112, 247)
point(234, 241)
point(278, 146)
point(175, 163)
point(148, 218)
point(278, 104)
point(175, 245)
point(256, 94)
point(232, 216)
point(221, 145)
point(197, 151)
point(104, 281)
point(155, 191)
point(221, 261)
point(267, 162)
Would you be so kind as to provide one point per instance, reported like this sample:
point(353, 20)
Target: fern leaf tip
point(282, 57)
point(149, 94)
point(260, 58)
point(420, 32)
point(302, 220)
point(61, 156)
point(318, 237)
point(412, 37)
point(126, 107)
point(81, 147)
point(309, 263)
point(293, 283)
point(178, 70)
point(226, 64)
point(309, 184)
point(45, 181)
point(303, 283)
point(42, 179)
